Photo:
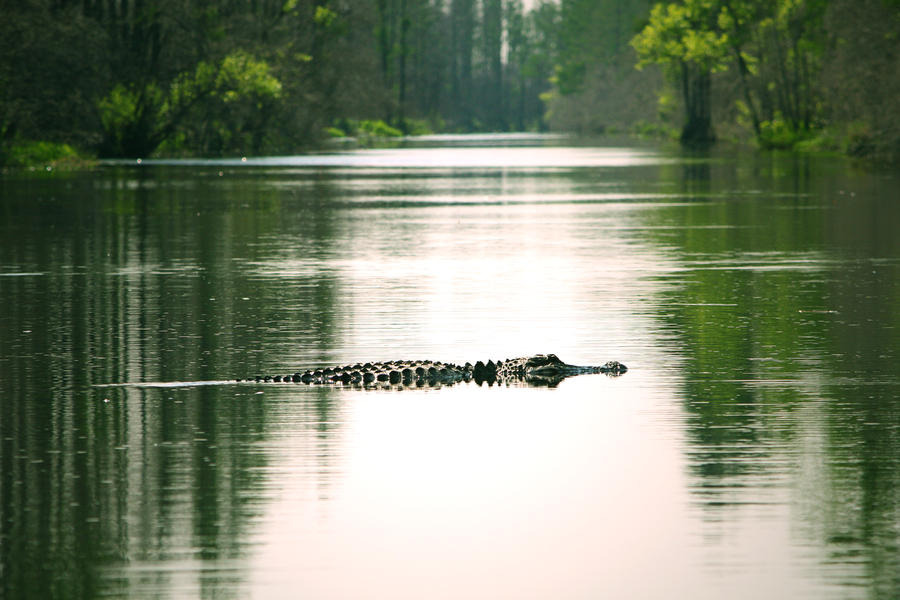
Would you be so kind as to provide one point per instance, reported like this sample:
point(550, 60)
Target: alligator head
point(548, 369)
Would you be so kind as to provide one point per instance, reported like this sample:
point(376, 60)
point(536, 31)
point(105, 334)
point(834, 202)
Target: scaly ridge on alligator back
point(538, 370)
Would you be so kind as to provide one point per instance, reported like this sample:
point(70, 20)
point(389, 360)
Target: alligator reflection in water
point(538, 370)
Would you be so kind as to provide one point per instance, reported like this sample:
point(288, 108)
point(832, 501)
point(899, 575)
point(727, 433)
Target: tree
point(51, 63)
point(794, 37)
point(777, 47)
point(860, 79)
point(137, 119)
point(462, 39)
point(595, 86)
point(685, 39)
point(494, 95)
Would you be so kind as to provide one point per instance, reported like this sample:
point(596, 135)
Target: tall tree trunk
point(785, 88)
point(462, 14)
point(492, 26)
point(696, 91)
point(382, 37)
point(744, 71)
point(404, 51)
point(385, 41)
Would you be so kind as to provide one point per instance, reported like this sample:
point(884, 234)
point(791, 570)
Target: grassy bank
point(44, 155)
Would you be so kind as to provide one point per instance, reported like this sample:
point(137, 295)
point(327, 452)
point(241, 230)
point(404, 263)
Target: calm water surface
point(751, 451)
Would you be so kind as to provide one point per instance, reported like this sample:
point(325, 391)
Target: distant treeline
point(816, 74)
point(132, 78)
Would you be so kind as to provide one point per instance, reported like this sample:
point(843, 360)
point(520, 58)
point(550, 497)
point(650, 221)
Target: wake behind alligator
point(538, 370)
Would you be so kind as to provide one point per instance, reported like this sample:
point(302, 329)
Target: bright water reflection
point(751, 451)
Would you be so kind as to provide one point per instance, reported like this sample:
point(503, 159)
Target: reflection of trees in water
point(786, 315)
point(140, 286)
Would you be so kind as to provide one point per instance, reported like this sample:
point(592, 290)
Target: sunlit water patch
point(469, 157)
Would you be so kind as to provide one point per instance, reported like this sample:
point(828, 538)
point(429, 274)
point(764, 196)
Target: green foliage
point(376, 128)
point(594, 85)
point(418, 127)
point(134, 78)
point(241, 76)
point(38, 154)
point(822, 141)
point(683, 33)
point(137, 121)
point(590, 34)
point(773, 47)
point(654, 130)
point(367, 130)
point(569, 78)
point(778, 134)
point(684, 38)
point(859, 139)
point(325, 17)
point(666, 105)
point(123, 116)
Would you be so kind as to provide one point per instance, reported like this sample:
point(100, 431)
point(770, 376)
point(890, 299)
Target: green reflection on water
point(140, 277)
point(787, 321)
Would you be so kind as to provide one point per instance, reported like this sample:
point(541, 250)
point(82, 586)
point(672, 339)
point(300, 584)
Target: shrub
point(778, 134)
point(41, 154)
point(377, 128)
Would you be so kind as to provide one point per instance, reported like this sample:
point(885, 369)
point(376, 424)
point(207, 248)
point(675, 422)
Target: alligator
point(538, 370)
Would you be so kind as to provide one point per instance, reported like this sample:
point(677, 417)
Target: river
point(752, 450)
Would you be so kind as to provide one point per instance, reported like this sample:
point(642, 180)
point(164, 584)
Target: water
point(751, 451)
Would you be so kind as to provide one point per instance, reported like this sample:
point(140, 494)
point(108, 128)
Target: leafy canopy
point(683, 33)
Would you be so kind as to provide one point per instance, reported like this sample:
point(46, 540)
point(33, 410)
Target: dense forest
point(133, 78)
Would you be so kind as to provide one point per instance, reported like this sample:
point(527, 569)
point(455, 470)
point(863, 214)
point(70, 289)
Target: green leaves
point(683, 33)
point(127, 115)
point(325, 17)
point(120, 107)
point(136, 120)
point(242, 76)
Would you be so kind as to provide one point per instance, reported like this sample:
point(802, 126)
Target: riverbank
point(48, 156)
point(849, 141)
